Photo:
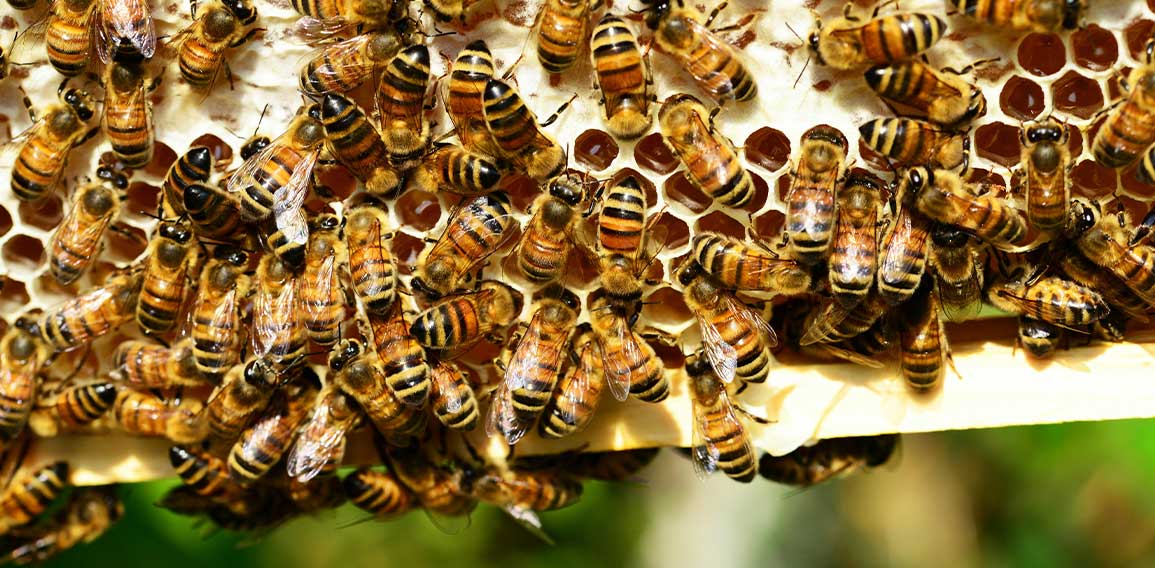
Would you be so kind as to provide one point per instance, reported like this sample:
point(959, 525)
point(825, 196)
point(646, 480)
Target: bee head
point(254, 145)
point(115, 177)
point(231, 255)
point(80, 102)
point(242, 10)
point(178, 232)
point(1083, 218)
point(343, 353)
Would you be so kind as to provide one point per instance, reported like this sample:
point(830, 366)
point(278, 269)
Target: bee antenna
point(799, 77)
point(801, 42)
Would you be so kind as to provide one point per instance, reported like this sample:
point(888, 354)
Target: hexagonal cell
point(1092, 179)
point(1134, 187)
point(998, 143)
point(761, 193)
point(768, 225)
point(142, 197)
point(5, 221)
point(595, 149)
point(521, 189)
point(988, 179)
point(1021, 98)
point(406, 250)
point(44, 214)
point(652, 154)
point(720, 222)
point(419, 209)
point(1095, 48)
point(125, 244)
point(768, 148)
point(1042, 54)
point(14, 298)
point(666, 306)
point(1077, 95)
point(162, 159)
point(679, 190)
point(335, 183)
point(1136, 35)
point(222, 152)
point(23, 252)
point(677, 233)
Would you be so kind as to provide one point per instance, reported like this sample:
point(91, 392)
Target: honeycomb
point(1074, 75)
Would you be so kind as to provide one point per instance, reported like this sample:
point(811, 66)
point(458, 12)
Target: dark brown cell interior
point(1134, 187)
point(1042, 54)
point(1114, 85)
point(581, 271)
point(1095, 48)
point(782, 186)
point(142, 197)
point(125, 244)
point(419, 209)
point(988, 180)
point(14, 298)
point(24, 250)
point(679, 190)
point(1077, 95)
point(652, 154)
point(1151, 5)
point(768, 148)
point(222, 152)
point(1092, 179)
point(1136, 35)
point(720, 222)
point(769, 224)
point(671, 355)
point(162, 158)
point(595, 149)
point(521, 189)
point(5, 221)
point(654, 273)
point(666, 306)
point(1021, 98)
point(998, 143)
point(44, 214)
point(677, 233)
point(406, 249)
point(761, 193)
point(1075, 142)
point(335, 183)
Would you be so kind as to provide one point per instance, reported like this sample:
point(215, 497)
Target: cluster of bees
point(245, 291)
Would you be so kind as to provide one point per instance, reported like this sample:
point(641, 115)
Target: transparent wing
point(290, 198)
point(121, 21)
point(584, 386)
point(723, 357)
point(529, 521)
point(321, 438)
point(323, 280)
point(343, 60)
point(704, 454)
point(270, 309)
point(249, 169)
point(832, 314)
point(315, 30)
point(447, 381)
point(527, 357)
point(617, 369)
point(851, 356)
point(753, 319)
point(500, 419)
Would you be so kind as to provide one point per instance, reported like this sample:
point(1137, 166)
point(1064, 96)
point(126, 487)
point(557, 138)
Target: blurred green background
point(1062, 495)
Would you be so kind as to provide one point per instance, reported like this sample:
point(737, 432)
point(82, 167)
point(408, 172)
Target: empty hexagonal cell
point(768, 225)
point(14, 298)
point(989, 180)
point(1095, 48)
point(125, 244)
point(521, 189)
point(221, 151)
point(335, 183)
point(419, 209)
point(1136, 35)
point(162, 158)
point(998, 143)
point(1092, 179)
point(652, 154)
point(406, 249)
point(677, 234)
point(24, 254)
point(1042, 54)
point(595, 149)
point(1021, 98)
point(142, 197)
point(720, 222)
point(44, 214)
point(1077, 95)
point(679, 190)
point(768, 148)
point(5, 221)
point(666, 306)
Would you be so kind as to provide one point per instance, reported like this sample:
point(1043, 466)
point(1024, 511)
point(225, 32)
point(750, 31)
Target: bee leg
point(751, 415)
point(880, 6)
point(970, 67)
point(88, 135)
point(245, 38)
point(714, 13)
point(557, 113)
point(27, 103)
point(229, 76)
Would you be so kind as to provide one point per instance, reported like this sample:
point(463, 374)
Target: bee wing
point(529, 520)
point(754, 319)
point(445, 381)
point(582, 379)
point(342, 59)
point(832, 314)
point(851, 356)
point(723, 357)
point(322, 282)
point(290, 198)
point(704, 453)
point(527, 357)
point(129, 20)
point(272, 308)
point(617, 369)
point(315, 30)
point(319, 440)
point(244, 175)
point(502, 418)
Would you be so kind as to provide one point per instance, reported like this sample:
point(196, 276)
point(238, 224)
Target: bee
point(517, 135)
point(360, 374)
point(213, 212)
point(904, 248)
point(171, 253)
point(810, 205)
point(342, 66)
point(80, 236)
point(277, 243)
point(201, 47)
point(854, 252)
point(216, 313)
point(457, 170)
point(574, 402)
point(22, 356)
point(1127, 133)
point(922, 343)
point(1103, 239)
point(530, 370)
point(261, 445)
point(711, 163)
point(93, 314)
point(521, 493)
point(1046, 161)
point(944, 197)
point(475, 230)
point(127, 118)
point(379, 493)
point(439, 490)
point(850, 43)
point(740, 266)
point(145, 414)
point(1051, 299)
point(958, 271)
point(147, 365)
point(332, 16)
point(720, 439)
point(194, 167)
point(277, 179)
point(623, 74)
point(244, 392)
point(371, 264)
point(206, 475)
point(321, 293)
point(357, 144)
point(912, 142)
point(452, 398)
point(401, 106)
point(463, 319)
point(831, 321)
point(44, 147)
point(544, 249)
point(30, 493)
point(612, 466)
point(630, 364)
point(1114, 291)
point(679, 30)
point(943, 96)
point(1033, 15)
point(735, 338)
point(562, 29)
point(124, 31)
point(90, 512)
point(401, 357)
point(74, 408)
point(1039, 338)
point(67, 35)
point(321, 439)
point(464, 98)
point(624, 249)
point(811, 465)
point(278, 327)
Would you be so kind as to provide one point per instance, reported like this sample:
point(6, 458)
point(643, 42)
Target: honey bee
point(623, 74)
point(735, 338)
point(321, 439)
point(944, 197)
point(904, 248)
point(720, 439)
point(457, 170)
point(912, 142)
point(711, 163)
point(679, 30)
point(850, 43)
point(245, 391)
point(439, 490)
point(958, 271)
point(521, 493)
point(630, 364)
point(74, 408)
point(943, 96)
point(67, 35)
point(574, 402)
point(1103, 239)
point(145, 414)
point(127, 118)
point(216, 313)
point(361, 375)
point(201, 47)
point(146, 365)
point(277, 179)
point(1039, 338)
point(452, 397)
point(475, 230)
point(371, 265)
point(207, 475)
point(811, 465)
point(517, 135)
point(90, 512)
point(810, 205)
point(170, 255)
point(194, 167)
point(93, 314)
point(80, 236)
point(624, 249)
point(1034, 15)
point(464, 319)
point(743, 267)
point(213, 212)
point(562, 29)
point(401, 106)
point(922, 343)
point(22, 356)
point(320, 292)
point(531, 370)
point(464, 98)
point(342, 66)
point(30, 493)
point(854, 252)
point(612, 466)
point(831, 321)
point(544, 249)
point(357, 144)
point(261, 445)
point(124, 31)
point(402, 359)
point(44, 147)
point(277, 243)
point(326, 17)
point(1114, 291)
point(278, 327)
point(1046, 160)
point(379, 493)
point(1126, 133)
point(1051, 299)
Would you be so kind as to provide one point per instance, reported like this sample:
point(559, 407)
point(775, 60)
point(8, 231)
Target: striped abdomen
point(371, 265)
point(717, 69)
point(378, 492)
point(449, 324)
point(17, 397)
point(213, 212)
point(576, 398)
point(257, 197)
point(912, 142)
point(902, 261)
point(622, 219)
point(195, 166)
point(513, 125)
point(720, 429)
point(40, 163)
point(562, 32)
point(922, 347)
point(403, 363)
point(67, 38)
point(753, 357)
point(453, 401)
point(128, 126)
point(810, 213)
point(461, 171)
point(898, 36)
point(263, 444)
point(92, 315)
point(353, 139)
point(215, 332)
point(203, 472)
point(81, 405)
point(1128, 130)
point(31, 493)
